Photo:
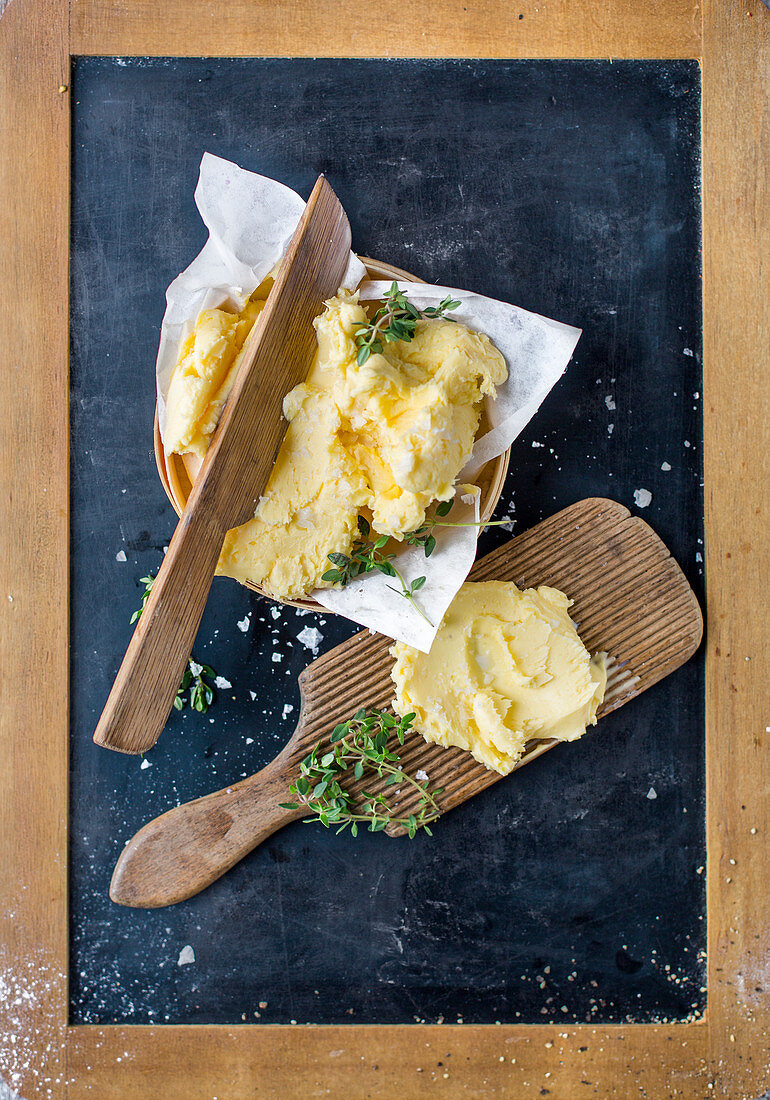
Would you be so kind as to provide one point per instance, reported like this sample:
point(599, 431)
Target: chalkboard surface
point(575, 890)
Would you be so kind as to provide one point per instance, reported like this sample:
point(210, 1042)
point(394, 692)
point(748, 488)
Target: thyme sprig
point(361, 747)
point(396, 319)
point(366, 556)
point(194, 680)
point(423, 535)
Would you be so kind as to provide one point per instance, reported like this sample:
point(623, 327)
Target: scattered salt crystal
point(311, 638)
point(249, 740)
point(698, 556)
point(287, 709)
point(536, 444)
point(665, 466)
point(468, 498)
point(610, 429)
point(275, 612)
point(277, 658)
point(244, 624)
point(687, 443)
point(652, 793)
point(120, 556)
point(253, 695)
point(186, 956)
point(195, 668)
point(222, 683)
point(145, 764)
point(687, 351)
point(642, 497)
point(609, 401)
point(421, 775)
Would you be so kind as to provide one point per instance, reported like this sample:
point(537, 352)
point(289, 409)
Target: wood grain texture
point(736, 242)
point(235, 471)
point(34, 266)
point(627, 1061)
point(410, 1062)
point(361, 28)
point(630, 598)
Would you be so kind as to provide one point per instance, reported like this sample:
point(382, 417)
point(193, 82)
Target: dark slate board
point(567, 893)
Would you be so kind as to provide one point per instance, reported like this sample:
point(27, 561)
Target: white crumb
point(311, 638)
point(421, 775)
point(642, 497)
point(275, 612)
point(120, 556)
point(244, 624)
point(609, 401)
point(222, 683)
point(186, 956)
point(687, 351)
point(145, 764)
point(195, 668)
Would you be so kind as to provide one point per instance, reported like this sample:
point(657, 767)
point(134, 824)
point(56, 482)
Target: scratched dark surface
point(570, 892)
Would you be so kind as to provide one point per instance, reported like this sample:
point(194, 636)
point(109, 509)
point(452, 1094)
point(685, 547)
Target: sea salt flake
point(665, 466)
point(688, 351)
point(421, 776)
point(222, 683)
point(311, 638)
point(244, 624)
point(253, 695)
point(195, 668)
point(287, 709)
point(120, 556)
point(277, 658)
point(249, 740)
point(186, 956)
point(275, 612)
point(642, 497)
point(609, 401)
point(145, 764)
point(652, 793)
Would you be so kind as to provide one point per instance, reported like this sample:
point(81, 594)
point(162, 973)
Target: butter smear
point(507, 666)
point(384, 439)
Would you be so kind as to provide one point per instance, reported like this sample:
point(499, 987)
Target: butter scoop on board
point(250, 218)
point(630, 598)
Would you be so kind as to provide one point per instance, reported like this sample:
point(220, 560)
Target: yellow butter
point(386, 438)
point(506, 666)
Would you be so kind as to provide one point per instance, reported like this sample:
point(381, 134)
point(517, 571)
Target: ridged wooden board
point(631, 600)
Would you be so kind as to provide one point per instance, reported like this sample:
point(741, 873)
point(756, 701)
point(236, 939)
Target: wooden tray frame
point(723, 1055)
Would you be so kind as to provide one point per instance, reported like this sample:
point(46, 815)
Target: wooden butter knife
point(631, 600)
point(236, 469)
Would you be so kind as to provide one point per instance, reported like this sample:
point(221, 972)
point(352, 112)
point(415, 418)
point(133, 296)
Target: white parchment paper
point(250, 220)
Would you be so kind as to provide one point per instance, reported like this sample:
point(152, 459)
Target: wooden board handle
point(141, 698)
point(182, 852)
